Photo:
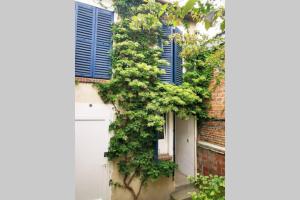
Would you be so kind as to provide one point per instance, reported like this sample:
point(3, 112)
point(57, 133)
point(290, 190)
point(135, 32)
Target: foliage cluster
point(209, 187)
point(201, 11)
point(203, 61)
point(126, 8)
point(139, 97)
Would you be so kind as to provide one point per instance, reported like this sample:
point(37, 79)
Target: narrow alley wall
point(211, 136)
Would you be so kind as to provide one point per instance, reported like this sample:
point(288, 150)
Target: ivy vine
point(203, 61)
point(140, 99)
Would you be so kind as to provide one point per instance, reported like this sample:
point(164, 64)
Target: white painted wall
point(90, 146)
point(107, 3)
point(200, 27)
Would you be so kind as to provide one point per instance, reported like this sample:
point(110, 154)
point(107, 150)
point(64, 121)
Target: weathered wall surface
point(86, 93)
point(217, 102)
point(210, 162)
point(212, 134)
point(105, 4)
point(158, 190)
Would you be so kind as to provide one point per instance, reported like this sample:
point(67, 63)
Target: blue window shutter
point(167, 55)
point(84, 39)
point(103, 44)
point(177, 62)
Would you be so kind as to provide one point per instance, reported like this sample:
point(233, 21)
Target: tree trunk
point(131, 190)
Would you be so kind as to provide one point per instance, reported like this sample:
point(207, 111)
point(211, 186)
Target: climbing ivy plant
point(204, 62)
point(139, 98)
point(204, 12)
point(203, 57)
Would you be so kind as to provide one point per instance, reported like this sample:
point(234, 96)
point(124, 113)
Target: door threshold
point(180, 179)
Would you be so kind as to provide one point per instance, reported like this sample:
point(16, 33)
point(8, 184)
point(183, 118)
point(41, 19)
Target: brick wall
point(89, 80)
point(210, 162)
point(217, 101)
point(213, 132)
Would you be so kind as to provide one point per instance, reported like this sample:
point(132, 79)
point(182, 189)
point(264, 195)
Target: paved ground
point(183, 187)
point(180, 179)
point(182, 192)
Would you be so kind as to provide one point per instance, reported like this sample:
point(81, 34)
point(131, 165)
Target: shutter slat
point(177, 62)
point(103, 44)
point(93, 41)
point(167, 55)
point(84, 40)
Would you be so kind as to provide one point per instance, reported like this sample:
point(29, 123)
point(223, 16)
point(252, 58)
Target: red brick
point(214, 164)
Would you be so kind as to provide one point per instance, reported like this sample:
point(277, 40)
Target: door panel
point(185, 145)
point(91, 141)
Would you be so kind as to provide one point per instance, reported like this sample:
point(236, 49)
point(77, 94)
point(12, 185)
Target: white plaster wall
point(107, 3)
point(200, 27)
point(85, 93)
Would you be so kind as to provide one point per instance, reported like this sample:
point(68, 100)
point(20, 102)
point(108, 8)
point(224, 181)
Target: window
point(93, 41)
point(177, 62)
point(171, 53)
point(167, 55)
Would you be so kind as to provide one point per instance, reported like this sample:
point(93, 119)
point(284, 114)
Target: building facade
point(182, 141)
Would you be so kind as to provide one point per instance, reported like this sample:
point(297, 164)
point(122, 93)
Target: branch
point(220, 34)
point(131, 178)
point(116, 109)
point(129, 188)
point(140, 189)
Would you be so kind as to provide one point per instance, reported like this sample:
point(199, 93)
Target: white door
point(91, 141)
point(185, 145)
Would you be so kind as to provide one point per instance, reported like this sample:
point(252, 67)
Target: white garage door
point(92, 139)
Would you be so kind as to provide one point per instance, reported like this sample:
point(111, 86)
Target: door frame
point(195, 142)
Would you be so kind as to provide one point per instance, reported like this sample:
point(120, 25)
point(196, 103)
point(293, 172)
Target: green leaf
point(222, 25)
point(207, 24)
point(141, 99)
point(188, 6)
point(163, 9)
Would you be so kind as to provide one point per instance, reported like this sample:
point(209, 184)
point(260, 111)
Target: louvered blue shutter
point(103, 44)
point(177, 62)
point(167, 55)
point(84, 39)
